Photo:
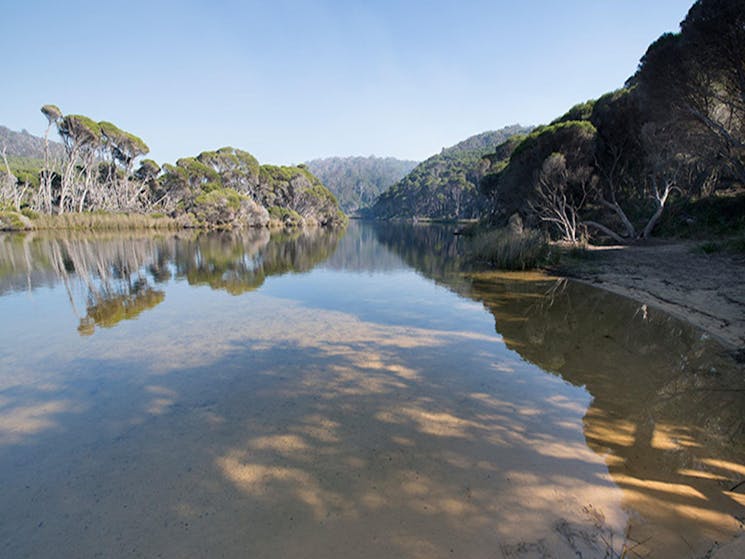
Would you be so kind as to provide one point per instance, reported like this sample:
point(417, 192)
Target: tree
point(713, 35)
point(666, 161)
point(619, 158)
point(520, 186)
point(123, 149)
point(561, 193)
point(53, 114)
point(697, 77)
point(8, 184)
point(82, 139)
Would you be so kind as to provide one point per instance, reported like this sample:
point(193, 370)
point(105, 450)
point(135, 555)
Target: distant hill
point(358, 181)
point(25, 154)
point(26, 145)
point(445, 186)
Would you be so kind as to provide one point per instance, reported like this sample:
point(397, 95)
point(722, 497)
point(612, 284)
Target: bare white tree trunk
point(660, 198)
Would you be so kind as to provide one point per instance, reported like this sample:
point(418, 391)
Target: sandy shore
point(707, 290)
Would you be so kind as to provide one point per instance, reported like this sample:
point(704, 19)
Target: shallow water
point(355, 395)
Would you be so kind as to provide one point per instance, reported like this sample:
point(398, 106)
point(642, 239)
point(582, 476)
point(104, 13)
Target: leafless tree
point(561, 194)
point(10, 190)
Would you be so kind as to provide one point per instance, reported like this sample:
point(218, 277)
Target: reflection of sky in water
point(344, 411)
point(401, 297)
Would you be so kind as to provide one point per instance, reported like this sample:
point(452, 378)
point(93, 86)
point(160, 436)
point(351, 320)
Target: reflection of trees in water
point(110, 278)
point(229, 261)
point(432, 250)
point(300, 251)
point(360, 251)
point(625, 354)
point(668, 409)
point(110, 272)
point(240, 261)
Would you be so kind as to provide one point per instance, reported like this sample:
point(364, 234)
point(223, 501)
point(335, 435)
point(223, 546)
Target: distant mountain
point(24, 144)
point(358, 181)
point(445, 186)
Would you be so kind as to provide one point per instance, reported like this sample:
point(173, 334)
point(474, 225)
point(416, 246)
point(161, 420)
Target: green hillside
point(445, 186)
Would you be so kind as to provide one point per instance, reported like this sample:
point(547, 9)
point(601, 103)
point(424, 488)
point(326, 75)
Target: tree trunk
point(660, 198)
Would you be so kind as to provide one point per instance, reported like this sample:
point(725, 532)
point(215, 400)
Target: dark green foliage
point(651, 156)
point(444, 187)
point(513, 188)
point(124, 146)
point(720, 215)
point(52, 112)
point(358, 181)
point(148, 170)
point(26, 169)
point(219, 207)
point(237, 169)
point(554, 134)
point(695, 80)
point(286, 216)
point(206, 186)
point(79, 130)
point(297, 189)
point(580, 111)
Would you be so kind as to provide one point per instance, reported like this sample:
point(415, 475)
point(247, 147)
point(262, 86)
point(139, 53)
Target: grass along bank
point(102, 221)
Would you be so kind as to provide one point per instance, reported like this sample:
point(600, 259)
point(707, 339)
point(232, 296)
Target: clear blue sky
point(294, 80)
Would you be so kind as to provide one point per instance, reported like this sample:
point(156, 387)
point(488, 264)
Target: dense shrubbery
point(674, 136)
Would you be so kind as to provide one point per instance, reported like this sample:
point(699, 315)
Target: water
point(355, 395)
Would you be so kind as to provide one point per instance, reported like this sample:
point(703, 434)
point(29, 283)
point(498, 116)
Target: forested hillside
point(667, 149)
point(445, 186)
point(358, 181)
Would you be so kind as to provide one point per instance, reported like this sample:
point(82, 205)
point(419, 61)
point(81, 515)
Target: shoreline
point(706, 290)
point(15, 222)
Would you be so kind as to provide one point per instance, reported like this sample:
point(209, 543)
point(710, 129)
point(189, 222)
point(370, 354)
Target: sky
point(291, 80)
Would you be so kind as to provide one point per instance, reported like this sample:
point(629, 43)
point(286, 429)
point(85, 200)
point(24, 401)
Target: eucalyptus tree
point(82, 138)
point(561, 193)
point(153, 194)
point(122, 149)
point(44, 202)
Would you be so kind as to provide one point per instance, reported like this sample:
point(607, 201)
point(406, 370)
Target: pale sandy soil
point(707, 290)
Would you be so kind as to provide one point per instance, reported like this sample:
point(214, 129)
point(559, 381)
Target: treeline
point(611, 167)
point(358, 181)
point(102, 168)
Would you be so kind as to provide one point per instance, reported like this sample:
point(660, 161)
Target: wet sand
point(707, 290)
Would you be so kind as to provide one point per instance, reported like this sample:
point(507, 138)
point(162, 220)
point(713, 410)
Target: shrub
point(13, 221)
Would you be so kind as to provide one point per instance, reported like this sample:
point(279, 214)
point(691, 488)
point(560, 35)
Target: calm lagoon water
point(354, 395)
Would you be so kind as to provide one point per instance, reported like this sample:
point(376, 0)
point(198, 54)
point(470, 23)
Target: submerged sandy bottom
point(340, 438)
point(330, 415)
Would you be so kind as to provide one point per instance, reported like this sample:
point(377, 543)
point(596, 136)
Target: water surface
point(348, 395)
